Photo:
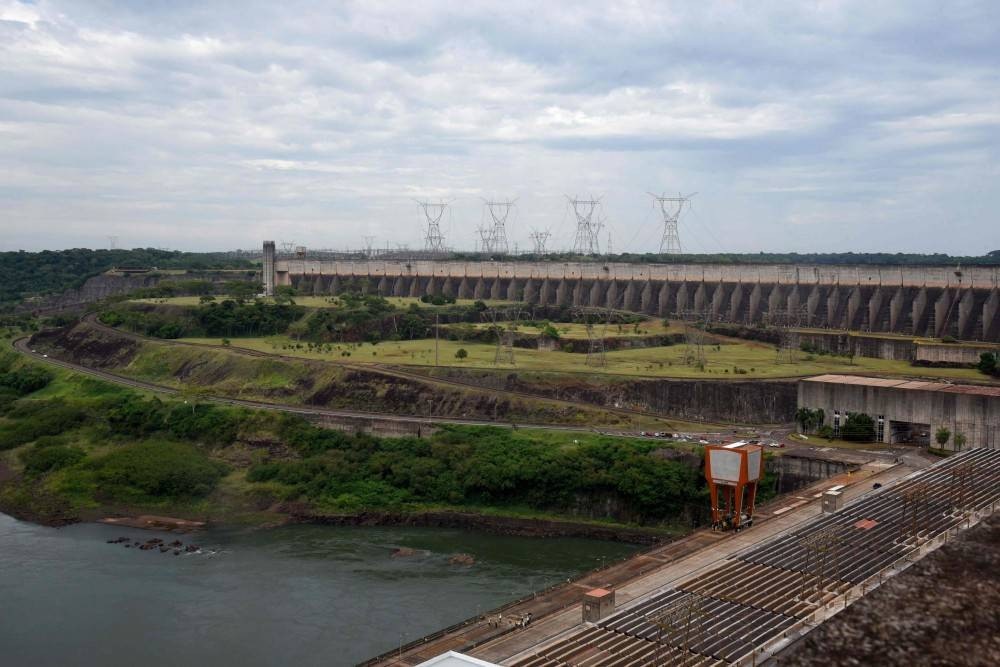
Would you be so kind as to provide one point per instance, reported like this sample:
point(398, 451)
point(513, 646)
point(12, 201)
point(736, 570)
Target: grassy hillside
point(72, 447)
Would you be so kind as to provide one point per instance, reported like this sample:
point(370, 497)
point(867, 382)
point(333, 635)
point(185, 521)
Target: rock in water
point(403, 552)
point(462, 559)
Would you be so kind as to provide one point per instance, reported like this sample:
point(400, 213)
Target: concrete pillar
point(942, 312)
point(682, 299)
point(565, 291)
point(334, 287)
point(736, 303)
point(792, 302)
point(875, 310)
point(853, 306)
point(663, 300)
point(777, 299)
point(630, 298)
point(383, 286)
point(447, 288)
point(596, 297)
point(646, 302)
point(833, 308)
point(968, 317)
point(479, 290)
point(530, 291)
point(920, 312)
point(464, 289)
point(515, 290)
point(991, 316)
point(578, 293)
point(756, 295)
point(896, 306)
point(718, 296)
point(700, 298)
point(812, 305)
point(546, 293)
point(433, 286)
point(497, 292)
point(611, 296)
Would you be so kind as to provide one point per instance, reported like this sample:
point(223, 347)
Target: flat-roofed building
point(908, 411)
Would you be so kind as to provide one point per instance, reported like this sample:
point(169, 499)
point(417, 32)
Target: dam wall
point(924, 301)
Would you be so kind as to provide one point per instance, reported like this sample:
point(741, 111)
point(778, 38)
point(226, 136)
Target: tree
point(988, 363)
point(858, 427)
point(960, 441)
point(461, 354)
point(942, 435)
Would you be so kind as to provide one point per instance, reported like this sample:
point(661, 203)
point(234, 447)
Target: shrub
point(158, 469)
point(39, 460)
point(942, 436)
point(461, 354)
point(858, 427)
point(26, 380)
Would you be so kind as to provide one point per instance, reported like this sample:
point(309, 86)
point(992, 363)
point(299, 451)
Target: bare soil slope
point(944, 610)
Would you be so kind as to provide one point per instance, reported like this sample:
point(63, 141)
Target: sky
point(801, 126)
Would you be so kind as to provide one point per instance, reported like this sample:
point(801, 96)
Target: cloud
point(191, 124)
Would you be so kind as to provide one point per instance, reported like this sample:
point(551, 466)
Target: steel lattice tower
point(494, 237)
point(671, 208)
point(539, 239)
point(587, 240)
point(433, 239)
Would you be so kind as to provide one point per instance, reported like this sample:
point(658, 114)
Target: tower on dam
point(268, 268)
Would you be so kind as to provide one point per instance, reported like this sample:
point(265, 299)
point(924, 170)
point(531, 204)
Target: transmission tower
point(287, 247)
point(112, 243)
point(494, 236)
point(671, 208)
point(539, 239)
point(587, 239)
point(695, 323)
point(433, 238)
point(369, 242)
point(503, 321)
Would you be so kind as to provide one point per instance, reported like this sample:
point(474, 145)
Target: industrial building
point(908, 411)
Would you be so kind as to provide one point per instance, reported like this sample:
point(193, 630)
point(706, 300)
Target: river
point(303, 595)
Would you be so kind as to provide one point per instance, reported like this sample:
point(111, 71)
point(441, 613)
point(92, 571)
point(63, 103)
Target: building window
point(836, 423)
point(880, 433)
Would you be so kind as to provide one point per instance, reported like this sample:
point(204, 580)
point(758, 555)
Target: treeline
point(991, 258)
point(482, 466)
point(228, 318)
point(54, 271)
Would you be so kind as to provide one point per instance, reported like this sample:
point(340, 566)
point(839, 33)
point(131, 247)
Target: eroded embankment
point(729, 401)
point(230, 373)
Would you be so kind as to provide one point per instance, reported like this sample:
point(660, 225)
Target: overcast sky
point(802, 126)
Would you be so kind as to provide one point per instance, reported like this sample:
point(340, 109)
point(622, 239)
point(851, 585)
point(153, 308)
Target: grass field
point(759, 361)
point(579, 331)
point(313, 301)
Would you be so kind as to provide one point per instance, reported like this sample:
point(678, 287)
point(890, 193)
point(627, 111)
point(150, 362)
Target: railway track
point(21, 345)
point(380, 369)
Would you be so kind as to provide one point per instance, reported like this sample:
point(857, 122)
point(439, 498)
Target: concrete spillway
point(931, 301)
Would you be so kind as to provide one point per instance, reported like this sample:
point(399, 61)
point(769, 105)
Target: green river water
point(295, 595)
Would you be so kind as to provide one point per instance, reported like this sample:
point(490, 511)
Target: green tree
point(960, 441)
point(858, 427)
point(461, 354)
point(988, 363)
point(941, 436)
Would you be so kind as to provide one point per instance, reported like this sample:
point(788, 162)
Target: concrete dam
point(931, 301)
